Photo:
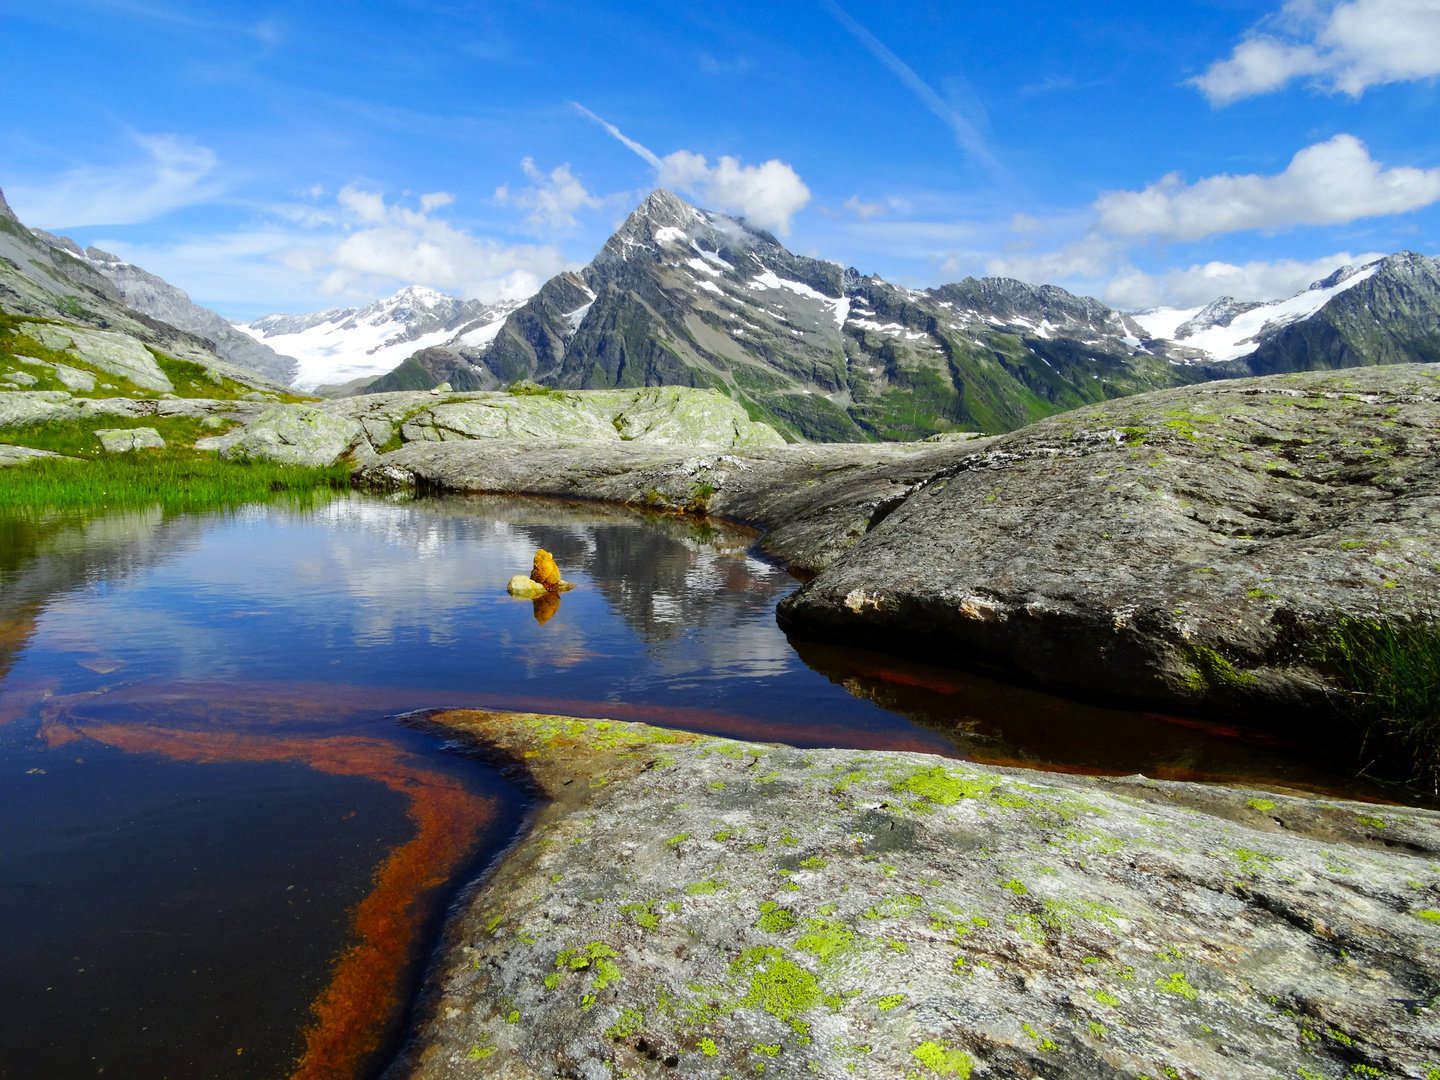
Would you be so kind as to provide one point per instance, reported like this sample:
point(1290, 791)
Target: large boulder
point(1175, 549)
point(291, 435)
point(690, 906)
point(119, 440)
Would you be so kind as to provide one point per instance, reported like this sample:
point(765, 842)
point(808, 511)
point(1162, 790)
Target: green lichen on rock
point(857, 963)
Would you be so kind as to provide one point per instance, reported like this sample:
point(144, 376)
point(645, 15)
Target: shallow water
point(222, 856)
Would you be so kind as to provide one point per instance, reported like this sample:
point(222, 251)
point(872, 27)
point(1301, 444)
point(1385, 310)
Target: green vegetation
point(176, 481)
point(1388, 670)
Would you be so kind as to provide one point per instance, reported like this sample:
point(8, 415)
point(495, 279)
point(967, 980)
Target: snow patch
point(702, 267)
point(1239, 338)
point(839, 308)
point(483, 335)
point(668, 234)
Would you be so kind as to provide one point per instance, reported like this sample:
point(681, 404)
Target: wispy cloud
point(967, 136)
point(175, 172)
point(552, 200)
point(1346, 47)
point(769, 194)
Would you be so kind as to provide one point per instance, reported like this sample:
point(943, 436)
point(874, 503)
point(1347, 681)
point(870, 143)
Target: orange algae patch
point(364, 999)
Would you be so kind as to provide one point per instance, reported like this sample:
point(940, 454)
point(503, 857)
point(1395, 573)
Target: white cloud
point(435, 200)
point(1345, 47)
point(554, 198)
point(1330, 183)
point(768, 195)
point(395, 243)
point(1199, 284)
point(177, 172)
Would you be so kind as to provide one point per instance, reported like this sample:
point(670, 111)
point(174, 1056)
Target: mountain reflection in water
point(225, 858)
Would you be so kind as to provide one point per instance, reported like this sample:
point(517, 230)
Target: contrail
point(965, 134)
point(643, 151)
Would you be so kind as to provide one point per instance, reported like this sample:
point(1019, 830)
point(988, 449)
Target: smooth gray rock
point(290, 435)
point(697, 907)
point(22, 408)
point(26, 408)
point(671, 415)
point(21, 455)
point(1174, 549)
point(119, 440)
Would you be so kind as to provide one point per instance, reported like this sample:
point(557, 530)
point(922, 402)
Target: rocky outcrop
point(1173, 549)
point(22, 455)
point(691, 906)
point(813, 501)
point(291, 435)
point(27, 408)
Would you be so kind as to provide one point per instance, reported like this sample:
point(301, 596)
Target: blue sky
point(291, 156)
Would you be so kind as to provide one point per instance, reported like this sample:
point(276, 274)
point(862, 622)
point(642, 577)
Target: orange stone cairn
point(545, 571)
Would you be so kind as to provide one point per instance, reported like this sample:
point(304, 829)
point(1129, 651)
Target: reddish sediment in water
point(360, 1008)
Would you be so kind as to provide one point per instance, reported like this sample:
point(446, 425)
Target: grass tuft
point(1389, 672)
point(174, 481)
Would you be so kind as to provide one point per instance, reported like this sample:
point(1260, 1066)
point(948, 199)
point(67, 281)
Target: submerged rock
point(525, 587)
point(689, 903)
point(119, 440)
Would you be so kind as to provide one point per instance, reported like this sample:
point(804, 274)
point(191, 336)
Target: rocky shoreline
point(687, 905)
point(1174, 550)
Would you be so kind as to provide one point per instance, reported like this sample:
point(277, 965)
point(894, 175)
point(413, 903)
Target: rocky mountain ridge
point(680, 295)
point(156, 297)
point(41, 281)
point(683, 295)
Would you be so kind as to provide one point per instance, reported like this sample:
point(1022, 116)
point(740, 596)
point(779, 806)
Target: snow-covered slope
point(1226, 330)
point(343, 344)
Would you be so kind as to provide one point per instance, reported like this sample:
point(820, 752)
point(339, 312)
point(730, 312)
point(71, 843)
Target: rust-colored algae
point(364, 999)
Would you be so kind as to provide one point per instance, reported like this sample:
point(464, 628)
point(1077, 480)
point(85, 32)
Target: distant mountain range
point(355, 346)
point(683, 296)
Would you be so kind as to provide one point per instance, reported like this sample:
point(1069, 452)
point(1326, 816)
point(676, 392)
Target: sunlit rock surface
point(693, 906)
point(1174, 549)
point(118, 440)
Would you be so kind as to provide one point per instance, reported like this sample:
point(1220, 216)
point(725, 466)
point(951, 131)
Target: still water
point(223, 852)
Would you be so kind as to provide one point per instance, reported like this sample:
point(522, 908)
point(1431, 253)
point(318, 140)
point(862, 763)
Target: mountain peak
point(5, 210)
